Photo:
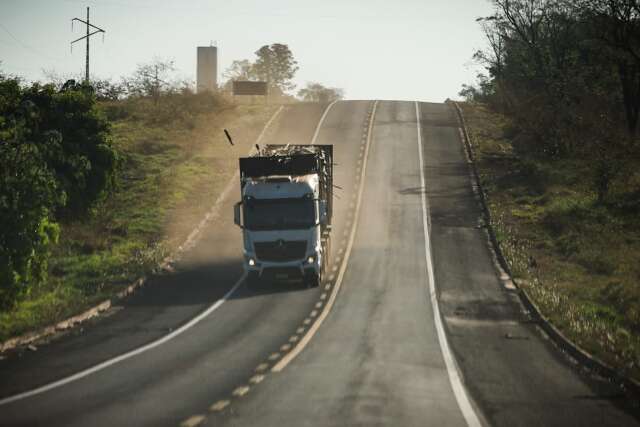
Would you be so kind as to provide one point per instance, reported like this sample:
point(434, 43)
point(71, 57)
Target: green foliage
point(567, 74)
point(85, 162)
point(275, 64)
point(28, 195)
point(56, 161)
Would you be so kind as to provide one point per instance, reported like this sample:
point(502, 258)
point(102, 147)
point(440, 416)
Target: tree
point(276, 65)
point(85, 163)
point(107, 90)
point(616, 25)
point(29, 193)
point(482, 92)
point(241, 69)
point(56, 162)
point(28, 196)
point(315, 92)
point(567, 72)
point(104, 89)
point(150, 79)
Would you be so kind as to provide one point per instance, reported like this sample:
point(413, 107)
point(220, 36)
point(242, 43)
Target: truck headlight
point(311, 259)
point(252, 262)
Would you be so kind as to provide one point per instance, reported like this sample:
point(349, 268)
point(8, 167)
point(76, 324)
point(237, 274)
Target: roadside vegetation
point(554, 127)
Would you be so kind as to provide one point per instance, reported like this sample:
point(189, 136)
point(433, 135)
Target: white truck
point(285, 213)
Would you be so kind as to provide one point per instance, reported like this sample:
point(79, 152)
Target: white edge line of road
point(455, 379)
point(159, 341)
point(124, 356)
point(324, 115)
point(343, 267)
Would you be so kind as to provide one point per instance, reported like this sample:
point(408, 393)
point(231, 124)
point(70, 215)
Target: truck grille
point(280, 250)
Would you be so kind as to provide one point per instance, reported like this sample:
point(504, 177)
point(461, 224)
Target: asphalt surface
point(516, 376)
point(375, 360)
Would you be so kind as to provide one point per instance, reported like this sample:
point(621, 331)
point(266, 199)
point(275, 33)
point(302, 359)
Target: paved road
point(376, 359)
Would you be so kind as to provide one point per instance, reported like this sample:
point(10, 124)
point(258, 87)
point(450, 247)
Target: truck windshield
point(279, 214)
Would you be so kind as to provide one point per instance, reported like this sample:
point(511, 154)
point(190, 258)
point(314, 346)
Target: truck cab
point(285, 214)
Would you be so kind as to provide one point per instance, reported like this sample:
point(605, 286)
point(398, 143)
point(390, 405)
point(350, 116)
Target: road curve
point(377, 359)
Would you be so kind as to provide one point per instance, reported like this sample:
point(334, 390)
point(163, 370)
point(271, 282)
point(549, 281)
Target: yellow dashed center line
point(241, 391)
point(219, 405)
point(256, 379)
point(262, 367)
point(193, 421)
point(285, 347)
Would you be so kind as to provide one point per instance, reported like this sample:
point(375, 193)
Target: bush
point(167, 110)
point(85, 160)
point(56, 159)
point(28, 195)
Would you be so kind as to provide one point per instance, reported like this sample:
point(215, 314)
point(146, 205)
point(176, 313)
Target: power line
point(28, 47)
point(97, 30)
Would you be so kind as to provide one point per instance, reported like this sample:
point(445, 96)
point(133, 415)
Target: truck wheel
point(312, 280)
point(253, 280)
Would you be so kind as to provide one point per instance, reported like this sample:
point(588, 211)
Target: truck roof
point(281, 187)
point(287, 160)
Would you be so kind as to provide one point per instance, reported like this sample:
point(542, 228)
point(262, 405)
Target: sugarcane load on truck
point(285, 212)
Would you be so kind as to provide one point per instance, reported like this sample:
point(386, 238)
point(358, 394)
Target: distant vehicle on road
point(285, 213)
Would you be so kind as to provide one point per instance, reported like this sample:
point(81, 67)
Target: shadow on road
point(189, 284)
point(203, 284)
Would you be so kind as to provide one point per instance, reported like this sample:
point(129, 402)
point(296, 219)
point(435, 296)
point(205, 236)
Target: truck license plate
point(282, 276)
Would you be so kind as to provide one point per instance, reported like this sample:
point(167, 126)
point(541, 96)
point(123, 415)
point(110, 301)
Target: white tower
point(207, 76)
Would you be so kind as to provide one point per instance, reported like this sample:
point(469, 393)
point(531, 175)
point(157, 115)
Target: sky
point(372, 49)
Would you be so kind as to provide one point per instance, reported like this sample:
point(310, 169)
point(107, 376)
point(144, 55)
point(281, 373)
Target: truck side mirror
point(323, 212)
point(237, 217)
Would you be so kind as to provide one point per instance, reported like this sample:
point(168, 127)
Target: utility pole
point(97, 30)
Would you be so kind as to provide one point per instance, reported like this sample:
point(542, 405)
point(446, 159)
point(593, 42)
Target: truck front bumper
point(290, 270)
